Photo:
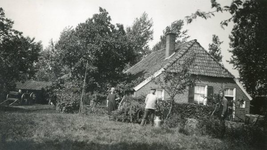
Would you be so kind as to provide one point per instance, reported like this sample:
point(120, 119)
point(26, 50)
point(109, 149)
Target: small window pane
point(200, 89)
point(199, 96)
point(229, 92)
point(243, 105)
point(159, 94)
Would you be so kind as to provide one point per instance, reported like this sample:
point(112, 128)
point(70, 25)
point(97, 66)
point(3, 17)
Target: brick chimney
point(170, 44)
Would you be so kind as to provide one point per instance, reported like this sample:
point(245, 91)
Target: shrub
point(101, 99)
point(248, 135)
point(68, 102)
point(182, 111)
point(239, 135)
point(212, 126)
point(207, 124)
point(131, 112)
point(94, 99)
point(66, 96)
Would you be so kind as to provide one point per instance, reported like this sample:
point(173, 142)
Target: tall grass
point(51, 130)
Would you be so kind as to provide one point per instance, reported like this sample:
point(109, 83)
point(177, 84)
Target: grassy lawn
point(40, 127)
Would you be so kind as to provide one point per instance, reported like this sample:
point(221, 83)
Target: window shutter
point(191, 93)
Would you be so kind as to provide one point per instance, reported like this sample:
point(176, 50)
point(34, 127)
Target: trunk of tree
point(84, 83)
point(171, 107)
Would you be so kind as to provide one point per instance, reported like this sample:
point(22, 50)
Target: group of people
point(151, 102)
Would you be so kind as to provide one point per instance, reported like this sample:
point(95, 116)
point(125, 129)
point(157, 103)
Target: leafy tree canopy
point(215, 49)
point(175, 27)
point(104, 46)
point(248, 40)
point(140, 33)
point(18, 54)
point(49, 67)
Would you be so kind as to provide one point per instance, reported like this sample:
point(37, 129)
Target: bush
point(207, 124)
point(94, 99)
point(68, 102)
point(248, 135)
point(131, 112)
point(182, 111)
point(212, 126)
point(101, 99)
point(237, 134)
point(66, 96)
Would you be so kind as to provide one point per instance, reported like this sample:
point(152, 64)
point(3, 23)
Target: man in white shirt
point(151, 102)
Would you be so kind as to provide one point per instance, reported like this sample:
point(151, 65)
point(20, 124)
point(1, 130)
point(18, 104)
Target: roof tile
point(204, 63)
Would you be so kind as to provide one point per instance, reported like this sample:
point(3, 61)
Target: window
point(160, 94)
point(229, 95)
point(229, 92)
point(200, 94)
point(243, 104)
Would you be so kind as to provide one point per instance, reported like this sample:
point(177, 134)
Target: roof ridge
point(188, 45)
point(216, 61)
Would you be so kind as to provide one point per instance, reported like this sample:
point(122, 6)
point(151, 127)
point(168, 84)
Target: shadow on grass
point(76, 145)
point(28, 109)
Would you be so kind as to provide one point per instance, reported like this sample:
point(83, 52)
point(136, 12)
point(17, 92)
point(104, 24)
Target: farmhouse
point(212, 76)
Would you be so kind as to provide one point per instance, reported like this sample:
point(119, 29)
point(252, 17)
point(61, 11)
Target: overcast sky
point(45, 19)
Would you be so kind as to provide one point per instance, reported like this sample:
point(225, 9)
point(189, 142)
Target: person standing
point(111, 100)
point(224, 105)
point(150, 107)
point(224, 108)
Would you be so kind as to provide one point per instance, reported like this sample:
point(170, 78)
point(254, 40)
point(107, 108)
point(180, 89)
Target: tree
point(175, 27)
point(105, 46)
point(175, 80)
point(140, 33)
point(6, 27)
point(49, 66)
point(247, 40)
point(214, 48)
point(69, 48)
point(18, 54)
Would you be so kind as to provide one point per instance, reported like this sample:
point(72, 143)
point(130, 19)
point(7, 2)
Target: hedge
point(133, 112)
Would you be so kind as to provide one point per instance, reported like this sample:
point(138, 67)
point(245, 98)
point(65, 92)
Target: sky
point(45, 19)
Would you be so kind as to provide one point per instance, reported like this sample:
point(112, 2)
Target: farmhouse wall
point(216, 83)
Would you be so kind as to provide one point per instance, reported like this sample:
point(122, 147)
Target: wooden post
point(84, 83)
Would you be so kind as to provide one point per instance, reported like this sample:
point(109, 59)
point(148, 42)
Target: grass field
point(41, 127)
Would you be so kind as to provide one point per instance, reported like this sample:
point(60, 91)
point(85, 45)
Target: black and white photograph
point(133, 74)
